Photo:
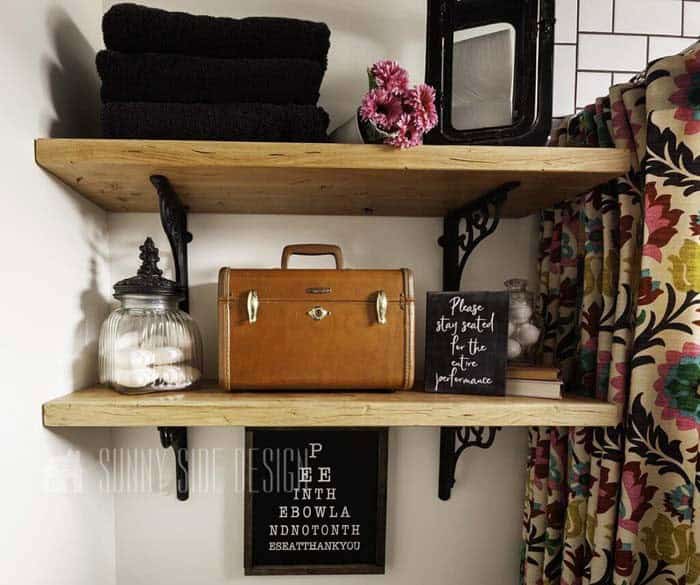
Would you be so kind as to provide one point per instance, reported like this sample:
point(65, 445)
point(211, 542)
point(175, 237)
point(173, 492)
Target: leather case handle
point(313, 250)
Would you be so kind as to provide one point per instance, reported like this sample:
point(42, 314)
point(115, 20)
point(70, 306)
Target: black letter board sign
point(315, 501)
point(465, 342)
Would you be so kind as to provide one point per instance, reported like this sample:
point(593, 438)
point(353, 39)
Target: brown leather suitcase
point(316, 329)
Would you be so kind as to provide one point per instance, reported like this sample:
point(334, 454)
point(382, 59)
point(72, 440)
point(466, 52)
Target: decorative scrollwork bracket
point(176, 437)
point(173, 217)
point(481, 437)
point(480, 220)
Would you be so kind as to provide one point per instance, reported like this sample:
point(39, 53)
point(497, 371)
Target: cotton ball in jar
point(512, 328)
point(127, 340)
point(175, 339)
point(135, 378)
point(528, 334)
point(514, 349)
point(133, 358)
point(176, 377)
point(520, 313)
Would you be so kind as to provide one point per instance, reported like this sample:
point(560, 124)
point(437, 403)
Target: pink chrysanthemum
point(426, 95)
point(389, 75)
point(408, 134)
point(382, 108)
point(421, 102)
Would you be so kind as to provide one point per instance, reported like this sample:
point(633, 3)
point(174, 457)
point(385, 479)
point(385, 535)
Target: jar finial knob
point(149, 258)
point(149, 278)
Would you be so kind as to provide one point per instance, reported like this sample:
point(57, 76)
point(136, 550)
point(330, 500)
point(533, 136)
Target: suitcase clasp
point(253, 304)
point(382, 305)
point(317, 313)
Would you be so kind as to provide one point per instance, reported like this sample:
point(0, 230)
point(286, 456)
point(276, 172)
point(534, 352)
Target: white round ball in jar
point(176, 377)
point(520, 313)
point(528, 334)
point(514, 349)
point(135, 378)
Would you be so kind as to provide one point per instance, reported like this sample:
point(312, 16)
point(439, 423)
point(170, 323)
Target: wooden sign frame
point(450, 357)
point(376, 566)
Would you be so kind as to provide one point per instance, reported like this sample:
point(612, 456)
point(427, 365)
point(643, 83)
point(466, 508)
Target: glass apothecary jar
point(525, 324)
point(148, 344)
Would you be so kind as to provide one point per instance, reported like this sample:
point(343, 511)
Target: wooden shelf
point(323, 179)
point(101, 407)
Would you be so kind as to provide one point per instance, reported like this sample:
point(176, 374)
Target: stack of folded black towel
point(172, 75)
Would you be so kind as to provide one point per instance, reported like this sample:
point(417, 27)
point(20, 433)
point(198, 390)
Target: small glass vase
point(358, 131)
point(371, 134)
point(525, 324)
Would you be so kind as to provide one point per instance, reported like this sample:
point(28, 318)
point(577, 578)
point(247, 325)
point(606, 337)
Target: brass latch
point(382, 305)
point(253, 304)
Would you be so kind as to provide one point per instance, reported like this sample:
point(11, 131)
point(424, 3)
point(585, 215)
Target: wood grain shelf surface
point(102, 407)
point(323, 179)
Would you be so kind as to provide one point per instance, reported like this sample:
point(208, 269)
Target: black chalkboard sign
point(315, 501)
point(466, 338)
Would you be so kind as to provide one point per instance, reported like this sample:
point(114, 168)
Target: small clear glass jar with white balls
point(525, 323)
point(148, 344)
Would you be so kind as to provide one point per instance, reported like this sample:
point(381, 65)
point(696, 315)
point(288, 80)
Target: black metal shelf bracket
point(480, 220)
point(176, 437)
point(482, 437)
point(173, 217)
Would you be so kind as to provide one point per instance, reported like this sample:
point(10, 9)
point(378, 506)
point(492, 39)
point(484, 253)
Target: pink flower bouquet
point(391, 111)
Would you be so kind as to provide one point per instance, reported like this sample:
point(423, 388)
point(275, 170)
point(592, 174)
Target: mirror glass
point(483, 70)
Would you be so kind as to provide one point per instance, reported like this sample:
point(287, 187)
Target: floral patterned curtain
point(619, 282)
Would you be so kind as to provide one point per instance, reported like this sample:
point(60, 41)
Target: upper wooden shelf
point(101, 407)
point(323, 179)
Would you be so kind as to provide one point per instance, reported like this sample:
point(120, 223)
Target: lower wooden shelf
point(210, 406)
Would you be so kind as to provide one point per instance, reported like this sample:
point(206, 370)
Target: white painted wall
point(53, 286)
point(57, 253)
point(475, 537)
point(55, 277)
point(472, 538)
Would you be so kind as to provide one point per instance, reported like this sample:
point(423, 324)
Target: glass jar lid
point(516, 284)
point(149, 278)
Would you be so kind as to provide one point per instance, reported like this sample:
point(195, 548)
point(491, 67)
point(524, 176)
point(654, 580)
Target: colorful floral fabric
point(619, 282)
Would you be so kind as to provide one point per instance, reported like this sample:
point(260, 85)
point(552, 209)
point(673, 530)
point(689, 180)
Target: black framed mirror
point(491, 64)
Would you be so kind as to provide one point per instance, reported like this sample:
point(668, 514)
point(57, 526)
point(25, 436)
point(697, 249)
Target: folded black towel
point(155, 77)
point(253, 122)
point(138, 29)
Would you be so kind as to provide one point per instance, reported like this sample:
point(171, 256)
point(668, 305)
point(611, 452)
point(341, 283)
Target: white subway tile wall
point(663, 46)
point(564, 79)
point(601, 42)
point(591, 84)
point(691, 18)
point(566, 29)
point(621, 78)
point(601, 52)
point(658, 17)
point(596, 16)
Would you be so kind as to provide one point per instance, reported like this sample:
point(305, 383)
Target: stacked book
point(533, 382)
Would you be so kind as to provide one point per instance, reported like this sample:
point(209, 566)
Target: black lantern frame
point(533, 21)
